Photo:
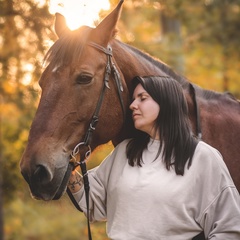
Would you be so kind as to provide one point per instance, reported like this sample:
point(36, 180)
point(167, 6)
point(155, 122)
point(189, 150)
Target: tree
point(1, 182)
point(211, 26)
point(24, 26)
point(205, 43)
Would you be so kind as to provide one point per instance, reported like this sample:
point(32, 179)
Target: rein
point(110, 67)
point(197, 112)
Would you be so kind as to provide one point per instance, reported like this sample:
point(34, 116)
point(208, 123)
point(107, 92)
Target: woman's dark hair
point(177, 142)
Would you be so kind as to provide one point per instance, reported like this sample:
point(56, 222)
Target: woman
point(163, 183)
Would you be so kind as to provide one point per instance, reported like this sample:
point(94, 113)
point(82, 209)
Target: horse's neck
point(133, 62)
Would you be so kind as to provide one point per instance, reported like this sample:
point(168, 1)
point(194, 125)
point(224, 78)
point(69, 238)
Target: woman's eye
point(83, 79)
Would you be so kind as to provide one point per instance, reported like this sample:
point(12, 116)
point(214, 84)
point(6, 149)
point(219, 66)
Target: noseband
point(110, 67)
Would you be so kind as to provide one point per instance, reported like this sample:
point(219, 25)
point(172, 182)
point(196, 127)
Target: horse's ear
point(107, 28)
point(60, 25)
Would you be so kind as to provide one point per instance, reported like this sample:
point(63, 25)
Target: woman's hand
point(75, 181)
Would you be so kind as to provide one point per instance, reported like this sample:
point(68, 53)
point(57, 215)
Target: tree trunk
point(224, 41)
point(171, 34)
point(1, 180)
point(1, 209)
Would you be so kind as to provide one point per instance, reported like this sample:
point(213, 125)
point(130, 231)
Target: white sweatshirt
point(150, 202)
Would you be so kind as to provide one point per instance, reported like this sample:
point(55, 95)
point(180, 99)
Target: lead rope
point(87, 189)
point(83, 166)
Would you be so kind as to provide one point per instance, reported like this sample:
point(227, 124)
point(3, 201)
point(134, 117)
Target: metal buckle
point(75, 151)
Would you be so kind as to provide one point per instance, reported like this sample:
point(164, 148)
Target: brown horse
point(89, 73)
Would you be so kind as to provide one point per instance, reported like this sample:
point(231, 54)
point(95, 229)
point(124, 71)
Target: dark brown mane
point(213, 95)
point(205, 94)
point(163, 66)
point(68, 48)
point(208, 94)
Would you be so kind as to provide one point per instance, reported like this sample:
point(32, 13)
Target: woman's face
point(144, 111)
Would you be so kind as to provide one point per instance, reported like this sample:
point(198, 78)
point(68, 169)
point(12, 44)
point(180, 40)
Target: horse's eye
point(83, 79)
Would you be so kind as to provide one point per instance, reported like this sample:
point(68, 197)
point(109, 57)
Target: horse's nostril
point(42, 175)
point(26, 177)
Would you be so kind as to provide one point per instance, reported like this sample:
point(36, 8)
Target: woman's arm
point(98, 180)
point(222, 219)
point(218, 198)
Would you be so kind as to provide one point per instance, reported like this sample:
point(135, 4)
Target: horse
point(86, 92)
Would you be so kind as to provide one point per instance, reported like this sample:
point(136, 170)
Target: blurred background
point(199, 39)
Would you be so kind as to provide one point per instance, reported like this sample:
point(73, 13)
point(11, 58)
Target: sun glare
point(79, 12)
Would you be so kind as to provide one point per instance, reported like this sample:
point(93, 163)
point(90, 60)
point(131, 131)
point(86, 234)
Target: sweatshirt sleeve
point(97, 195)
point(222, 219)
point(220, 215)
point(98, 181)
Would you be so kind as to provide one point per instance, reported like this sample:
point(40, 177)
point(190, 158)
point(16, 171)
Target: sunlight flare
point(79, 12)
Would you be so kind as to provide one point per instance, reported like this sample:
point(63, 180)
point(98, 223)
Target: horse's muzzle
point(46, 184)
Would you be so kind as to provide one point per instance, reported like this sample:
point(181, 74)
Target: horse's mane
point(204, 93)
point(214, 95)
point(68, 48)
point(159, 64)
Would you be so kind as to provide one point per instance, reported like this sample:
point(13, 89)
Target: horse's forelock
point(68, 48)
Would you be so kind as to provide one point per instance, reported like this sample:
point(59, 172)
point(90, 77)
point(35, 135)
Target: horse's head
point(75, 86)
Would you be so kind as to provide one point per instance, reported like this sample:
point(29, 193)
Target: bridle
point(110, 67)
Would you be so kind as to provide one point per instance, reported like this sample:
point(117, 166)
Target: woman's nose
point(133, 105)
